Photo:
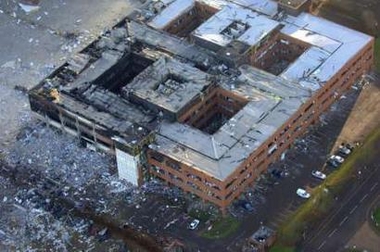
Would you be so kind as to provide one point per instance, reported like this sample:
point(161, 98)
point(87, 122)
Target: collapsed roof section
point(240, 24)
point(81, 89)
point(135, 60)
point(88, 86)
point(167, 85)
point(271, 102)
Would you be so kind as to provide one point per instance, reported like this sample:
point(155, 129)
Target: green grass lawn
point(377, 54)
point(200, 214)
point(222, 228)
point(376, 217)
point(282, 249)
point(322, 199)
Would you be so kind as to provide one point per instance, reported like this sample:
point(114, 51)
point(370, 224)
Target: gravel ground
point(44, 174)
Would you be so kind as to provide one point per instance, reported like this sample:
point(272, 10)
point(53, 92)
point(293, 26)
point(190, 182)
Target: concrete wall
point(128, 167)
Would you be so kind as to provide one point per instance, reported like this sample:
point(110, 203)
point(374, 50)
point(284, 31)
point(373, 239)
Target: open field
point(377, 54)
point(365, 238)
point(360, 15)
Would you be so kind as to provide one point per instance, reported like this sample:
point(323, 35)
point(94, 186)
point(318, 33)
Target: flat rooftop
point(168, 84)
point(159, 14)
point(235, 23)
point(167, 43)
point(272, 100)
point(266, 7)
point(169, 11)
point(332, 46)
point(172, 81)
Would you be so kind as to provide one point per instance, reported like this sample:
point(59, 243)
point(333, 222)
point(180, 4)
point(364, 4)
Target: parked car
point(337, 159)
point(343, 150)
point(349, 146)
point(302, 193)
point(247, 206)
point(194, 224)
point(276, 173)
point(333, 163)
point(318, 174)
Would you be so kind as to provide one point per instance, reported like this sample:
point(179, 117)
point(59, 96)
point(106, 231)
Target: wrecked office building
point(205, 106)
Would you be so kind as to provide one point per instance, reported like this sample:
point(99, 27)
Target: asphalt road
point(348, 215)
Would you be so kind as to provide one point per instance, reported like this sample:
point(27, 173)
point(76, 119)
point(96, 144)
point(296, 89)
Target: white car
point(194, 224)
point(344, 150)
point(318, 174)
point(302, 193)
point(337, 158)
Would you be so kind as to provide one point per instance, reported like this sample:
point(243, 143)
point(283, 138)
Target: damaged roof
point(252, 27)
point(168, 84)
point(172, 82)
point(272, 100)
point(333, 45)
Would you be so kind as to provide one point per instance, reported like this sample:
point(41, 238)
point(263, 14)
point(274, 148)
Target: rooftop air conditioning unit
point(240, 27)
point(235, 33)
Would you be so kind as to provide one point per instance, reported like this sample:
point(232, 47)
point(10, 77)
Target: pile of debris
point(49, 184)
point(57, 156)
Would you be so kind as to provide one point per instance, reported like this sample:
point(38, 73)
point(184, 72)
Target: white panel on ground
point(127, 166)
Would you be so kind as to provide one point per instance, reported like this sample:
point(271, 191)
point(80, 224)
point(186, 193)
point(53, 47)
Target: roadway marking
point(365, 196)
point(332, 232)
point(320, 246)
point(353, 209)
point(347, 199)
point(373, 187)
point(344, 220)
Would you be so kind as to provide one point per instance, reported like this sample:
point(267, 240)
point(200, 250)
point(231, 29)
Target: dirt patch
point(359, 15)
point(364, 117)
point(365, 238)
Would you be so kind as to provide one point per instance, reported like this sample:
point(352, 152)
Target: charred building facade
point(203, 94)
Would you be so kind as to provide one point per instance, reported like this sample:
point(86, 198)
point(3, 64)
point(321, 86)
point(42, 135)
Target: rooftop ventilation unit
point(235, 33)
point(240, 27)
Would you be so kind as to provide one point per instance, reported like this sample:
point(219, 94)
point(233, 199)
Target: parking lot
point(271, 200)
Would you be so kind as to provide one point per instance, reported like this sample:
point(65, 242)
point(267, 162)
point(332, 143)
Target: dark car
point(277, 173)
point(247, 206)
point(344, 151)
point(333, 163)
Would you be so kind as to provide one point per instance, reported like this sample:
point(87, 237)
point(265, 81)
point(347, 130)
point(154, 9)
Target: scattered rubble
point(29, 6)
point(47, 177)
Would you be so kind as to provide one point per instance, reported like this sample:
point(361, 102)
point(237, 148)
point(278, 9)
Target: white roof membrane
point(259, 26)
point(174, 10)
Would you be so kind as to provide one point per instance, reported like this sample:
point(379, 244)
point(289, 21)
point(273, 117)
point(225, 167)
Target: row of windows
point(177, 167)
